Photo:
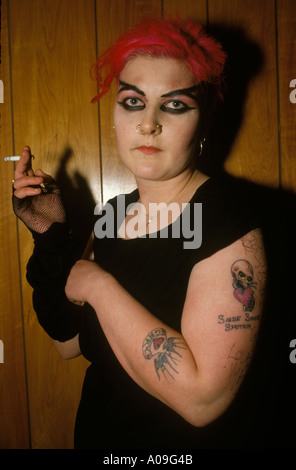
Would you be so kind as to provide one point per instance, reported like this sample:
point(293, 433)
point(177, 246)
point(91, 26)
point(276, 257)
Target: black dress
point(114, 411)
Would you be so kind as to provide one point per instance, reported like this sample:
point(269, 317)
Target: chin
point(146, 171)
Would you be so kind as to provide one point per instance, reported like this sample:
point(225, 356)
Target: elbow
point(67, 355)
point(68, 349)
point(198, 421)
point(202, 414)
point(200, 418)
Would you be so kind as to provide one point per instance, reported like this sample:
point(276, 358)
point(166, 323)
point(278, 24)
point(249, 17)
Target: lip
point(148, 149)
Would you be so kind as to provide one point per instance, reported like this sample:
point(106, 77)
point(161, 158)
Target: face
point(160, 96)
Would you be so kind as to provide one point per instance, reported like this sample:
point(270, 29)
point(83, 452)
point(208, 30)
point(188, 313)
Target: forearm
point(137, 339)
point(196, 372)
point(47, 271)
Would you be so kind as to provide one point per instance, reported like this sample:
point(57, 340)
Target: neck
point(175, 190)
point(178, 189)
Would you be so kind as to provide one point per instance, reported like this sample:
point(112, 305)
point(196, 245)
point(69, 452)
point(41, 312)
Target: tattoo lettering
point(243, 283)
point(237, 322)
point(164, 352)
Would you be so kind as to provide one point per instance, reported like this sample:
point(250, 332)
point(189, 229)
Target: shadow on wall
point(274, 376)
point(78, 200)
point(244, 61)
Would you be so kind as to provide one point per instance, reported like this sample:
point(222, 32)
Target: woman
point(169, 328)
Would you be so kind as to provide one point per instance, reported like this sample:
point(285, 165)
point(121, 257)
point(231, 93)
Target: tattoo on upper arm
point(243, 283)
point(253, 246)
point(163, 351)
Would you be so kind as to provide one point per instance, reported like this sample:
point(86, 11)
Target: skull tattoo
point(243, 283)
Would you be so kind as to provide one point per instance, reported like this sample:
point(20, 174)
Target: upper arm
point(222, 314)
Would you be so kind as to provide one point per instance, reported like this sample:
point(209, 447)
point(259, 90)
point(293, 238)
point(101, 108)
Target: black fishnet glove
point(37, 202)
point(36, 197)
point(39, 212)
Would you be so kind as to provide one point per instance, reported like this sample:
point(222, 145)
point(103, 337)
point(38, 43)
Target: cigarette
point(12, 159)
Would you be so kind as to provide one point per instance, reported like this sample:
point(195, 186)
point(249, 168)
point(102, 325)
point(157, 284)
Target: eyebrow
point(181, 91)
point(127, 86)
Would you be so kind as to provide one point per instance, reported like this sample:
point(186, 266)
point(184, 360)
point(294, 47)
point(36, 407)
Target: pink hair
point(177, 39)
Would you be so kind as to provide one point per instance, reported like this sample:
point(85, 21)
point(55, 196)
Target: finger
point(24, 166)
point(26, 181)
point(27, 186)
point(46, 178)
point(28, 191)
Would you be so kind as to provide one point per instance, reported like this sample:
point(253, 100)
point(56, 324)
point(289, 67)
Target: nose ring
point(141, 131)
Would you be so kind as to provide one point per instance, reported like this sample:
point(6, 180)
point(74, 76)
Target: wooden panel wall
point(48, 47)
point(14, 423)
point(254, 152)
point(286, 18)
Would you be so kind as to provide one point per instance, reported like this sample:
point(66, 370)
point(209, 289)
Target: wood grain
point(14, 424)
point(53, 46)
point(251, 37)
point(286, 17)
point(195, 9)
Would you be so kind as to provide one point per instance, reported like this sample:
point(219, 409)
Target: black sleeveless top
point(115, 412)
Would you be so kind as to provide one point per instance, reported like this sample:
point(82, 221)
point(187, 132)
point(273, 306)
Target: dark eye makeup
point(132, 104)
point(169, 106)
point(176, 107)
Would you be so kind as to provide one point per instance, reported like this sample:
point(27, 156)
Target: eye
point(175, 106)
point(132, 104)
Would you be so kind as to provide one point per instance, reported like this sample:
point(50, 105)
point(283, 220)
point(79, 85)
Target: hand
point(26, 182)
point(36, 198)
point(83, 280)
